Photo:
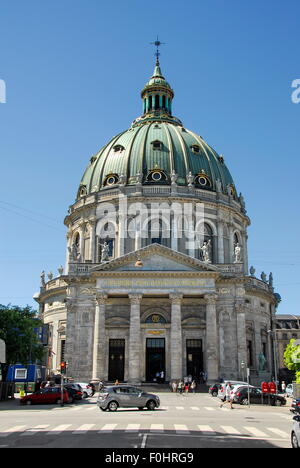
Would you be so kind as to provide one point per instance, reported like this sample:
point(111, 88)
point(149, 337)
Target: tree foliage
point(291, 356)
point(18, 328)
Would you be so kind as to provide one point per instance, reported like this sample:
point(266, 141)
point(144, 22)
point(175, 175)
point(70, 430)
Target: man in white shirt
point(228, 395)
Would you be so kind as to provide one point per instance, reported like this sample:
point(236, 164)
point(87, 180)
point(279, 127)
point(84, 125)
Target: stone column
point(212, 348)
point(176, 337)
point(220, 255)
point(134, 339)
point(99, 337)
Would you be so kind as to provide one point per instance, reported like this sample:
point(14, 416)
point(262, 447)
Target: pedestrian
point(283, 387)
point(162, 376)
point(180, 387)
point(186, 387)
point(174, 386)
point(228, 396)
point(193, 386)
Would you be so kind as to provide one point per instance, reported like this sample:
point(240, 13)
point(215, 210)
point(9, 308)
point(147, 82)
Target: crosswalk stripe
point(33, 430)
point(255, 431)
point(107, 428)
point(179, 407)
point(278, 432)
point(132, 428)
point(206, 429)
point(11, 430)
point(157, 428)
point(181, 429)
point(209, 408)
point(195, 408)
point(83, 429)
point(58, 429)
point(230, 430)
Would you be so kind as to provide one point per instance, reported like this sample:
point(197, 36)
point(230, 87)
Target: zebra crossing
point(181, 429)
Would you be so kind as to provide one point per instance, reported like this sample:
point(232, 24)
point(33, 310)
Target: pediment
point(156, 257)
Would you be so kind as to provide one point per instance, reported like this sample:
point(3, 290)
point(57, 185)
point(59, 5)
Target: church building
point(157, 275)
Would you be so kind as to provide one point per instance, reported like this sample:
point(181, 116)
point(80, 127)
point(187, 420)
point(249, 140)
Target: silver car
point(295, 434)
point(126, 396)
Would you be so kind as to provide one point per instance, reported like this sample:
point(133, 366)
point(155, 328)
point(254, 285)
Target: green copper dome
point(156, 149)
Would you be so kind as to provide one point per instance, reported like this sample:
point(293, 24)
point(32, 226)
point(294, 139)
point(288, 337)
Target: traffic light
point(63, 367)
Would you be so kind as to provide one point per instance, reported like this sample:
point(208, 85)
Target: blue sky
point(73, 72)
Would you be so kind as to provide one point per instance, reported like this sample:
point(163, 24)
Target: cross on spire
point(157, 44)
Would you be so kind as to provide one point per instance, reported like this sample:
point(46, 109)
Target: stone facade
point(168, 290)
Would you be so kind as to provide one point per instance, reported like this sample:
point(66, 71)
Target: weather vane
point(157, 44)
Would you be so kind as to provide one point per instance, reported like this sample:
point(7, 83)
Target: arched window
point(150, 102)
point(106, 243)
point(205, 236)
point(164, 102)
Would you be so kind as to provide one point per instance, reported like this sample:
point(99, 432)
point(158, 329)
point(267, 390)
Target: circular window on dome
point(156, 176)
point(111, 179)
point(82, 192)
point(203, 181)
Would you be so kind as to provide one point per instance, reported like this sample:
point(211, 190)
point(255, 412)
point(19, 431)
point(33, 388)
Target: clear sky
point(73, 71)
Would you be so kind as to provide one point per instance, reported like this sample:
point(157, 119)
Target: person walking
point(283, 387)
point(193, 386)
point(180, 387)
point(228, 396)
point(186, 387)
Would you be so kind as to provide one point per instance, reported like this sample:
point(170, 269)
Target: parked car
point(295, 433)
point(126, 396)
point(45, 395)
point(258, 397)
point(213, 389)
point(87, 390)
point(74, 390)
point(221, 391)
point(295, 406)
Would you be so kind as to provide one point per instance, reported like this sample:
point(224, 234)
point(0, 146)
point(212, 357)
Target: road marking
point(107, 428)
point(164, 407)
point(83, 429)
point(34, 430)
point(157, 428)
point(181, 429)
point(206, 429)
point(132, 428)
point(255, 431)
point(230, 430)
point(143, 444)
point(11, 430)
point(278, 432)
point(195, 408)
point(59, 429)
point(209, 408)
point(179, 407)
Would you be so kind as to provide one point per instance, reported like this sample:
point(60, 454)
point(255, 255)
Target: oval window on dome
point(111, 179)
point(118, 148)
point(156, 175)
point(195, 148)
point(203, 181)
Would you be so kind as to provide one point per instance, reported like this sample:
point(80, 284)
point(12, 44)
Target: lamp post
point(275, 347)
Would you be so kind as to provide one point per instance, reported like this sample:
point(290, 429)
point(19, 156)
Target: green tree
point(292, 358)
point(18, 328)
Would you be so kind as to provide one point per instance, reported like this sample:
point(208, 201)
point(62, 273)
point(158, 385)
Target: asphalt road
point(182, 422)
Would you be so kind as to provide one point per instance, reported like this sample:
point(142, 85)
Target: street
point(182, 421)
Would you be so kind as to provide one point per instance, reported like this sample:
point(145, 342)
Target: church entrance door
point(155, 358)
point(194, 356)
point(116, 360)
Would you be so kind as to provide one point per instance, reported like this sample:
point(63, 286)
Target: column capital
point(176, 298)
point(135, 298)
point(101, 297)
point(211, 298)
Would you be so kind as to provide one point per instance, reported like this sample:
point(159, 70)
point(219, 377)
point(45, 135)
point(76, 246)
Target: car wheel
point(58, 402)
point(28, 402)
point(294, 440)
point(112, 406)
point(278, 403)
point(214, 394)
point(244, 402)
point(151, 405)
point(84, 395)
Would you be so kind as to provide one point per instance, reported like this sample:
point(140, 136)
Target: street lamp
point(275, 347)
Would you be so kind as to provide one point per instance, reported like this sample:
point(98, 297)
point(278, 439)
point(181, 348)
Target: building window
point(156, 145)
point(249, 353)
point(195, 148)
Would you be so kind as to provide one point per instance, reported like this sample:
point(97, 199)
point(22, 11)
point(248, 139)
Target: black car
point(257, 397)
point(213, 389)
point(74, 391)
